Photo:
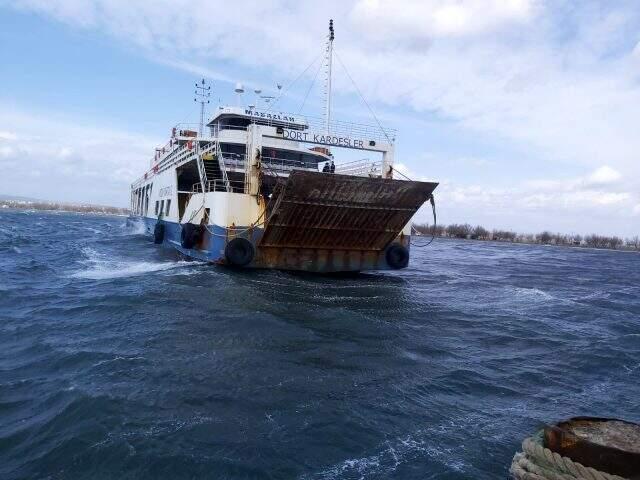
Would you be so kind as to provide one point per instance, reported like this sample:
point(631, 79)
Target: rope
point(362, 96)
point(432, 200)
point(310, 87)
point(536, 462)
point(392, 168)
point(275, 102)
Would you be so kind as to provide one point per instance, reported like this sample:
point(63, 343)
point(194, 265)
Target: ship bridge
point(244, 150)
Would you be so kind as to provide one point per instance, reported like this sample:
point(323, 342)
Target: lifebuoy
point(190, 235)
point(397, 256)
point(239, 252)
point(158, 232)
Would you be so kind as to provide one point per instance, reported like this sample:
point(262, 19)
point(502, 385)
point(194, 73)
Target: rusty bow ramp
point(329, 222)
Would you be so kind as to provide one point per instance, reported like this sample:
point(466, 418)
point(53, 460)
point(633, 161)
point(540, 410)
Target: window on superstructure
point(162, 206)
point(231, 149)
point(233, 123)
point(166, 214)
point(157, 206)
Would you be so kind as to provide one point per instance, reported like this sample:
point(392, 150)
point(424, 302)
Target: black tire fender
point(190, 235)
point(397, 256)
point(239, 252)
point(158, 232)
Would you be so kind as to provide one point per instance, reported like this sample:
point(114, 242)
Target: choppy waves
point(120, 359)
point(100, 266)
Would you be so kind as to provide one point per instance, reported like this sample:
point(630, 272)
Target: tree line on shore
point(62, 207)
point(544, 238)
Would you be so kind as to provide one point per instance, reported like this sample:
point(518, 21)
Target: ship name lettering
point(270, 116)
point(322, 139)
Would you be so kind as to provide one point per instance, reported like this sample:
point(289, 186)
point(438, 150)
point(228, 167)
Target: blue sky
point(526, 111)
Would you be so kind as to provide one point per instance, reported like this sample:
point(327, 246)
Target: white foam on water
point(135, 227)
point(101, 267)
point(533, 293)
point(392, 454)
point(186, 272)
point(117, 358)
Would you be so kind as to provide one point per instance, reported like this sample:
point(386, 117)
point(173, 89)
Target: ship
point(255, 188)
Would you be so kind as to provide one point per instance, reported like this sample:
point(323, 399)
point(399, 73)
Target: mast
point(203, 92)
point(327, 111)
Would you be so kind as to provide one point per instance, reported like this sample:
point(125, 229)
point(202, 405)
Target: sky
point(526, 111)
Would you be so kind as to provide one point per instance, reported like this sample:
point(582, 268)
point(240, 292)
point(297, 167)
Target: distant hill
point(25, 203)
point(14, 198)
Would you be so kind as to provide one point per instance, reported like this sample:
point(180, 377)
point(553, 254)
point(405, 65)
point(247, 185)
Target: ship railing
point(286, 165)
point(336, 128)
point(223, 168)
point(179, 131)
point(176, 156)
point(233, 161)
point(361, 168)
point(188, 130)
point(362, 131)
point(220, 185)
point(216, 129)
point(318, 125)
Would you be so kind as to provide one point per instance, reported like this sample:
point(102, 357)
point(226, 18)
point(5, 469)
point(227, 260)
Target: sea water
point(121, 359)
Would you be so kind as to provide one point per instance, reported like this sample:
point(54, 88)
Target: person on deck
point(326, 168)
point(332, 168)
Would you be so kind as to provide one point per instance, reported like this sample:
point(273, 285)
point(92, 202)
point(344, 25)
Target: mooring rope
point(536, 462)
point(432, 200)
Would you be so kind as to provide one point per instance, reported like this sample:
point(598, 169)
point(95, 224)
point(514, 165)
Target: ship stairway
point(212, 168)
point(213, 173)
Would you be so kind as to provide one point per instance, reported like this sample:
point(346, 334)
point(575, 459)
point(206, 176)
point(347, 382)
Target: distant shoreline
point(546, 238)
point(62, 207)
point(427, 237)
point(458, 232)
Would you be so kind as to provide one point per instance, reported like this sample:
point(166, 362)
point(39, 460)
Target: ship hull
point(211, 249)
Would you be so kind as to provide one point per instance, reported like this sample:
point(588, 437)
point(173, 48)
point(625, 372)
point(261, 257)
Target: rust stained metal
point(319, 260)
point(606, 444)
point(340, 212)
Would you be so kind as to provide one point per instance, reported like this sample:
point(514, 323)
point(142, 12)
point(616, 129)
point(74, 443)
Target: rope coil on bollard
point(536, 462)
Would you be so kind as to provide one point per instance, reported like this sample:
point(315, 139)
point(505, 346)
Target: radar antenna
point(203, 92)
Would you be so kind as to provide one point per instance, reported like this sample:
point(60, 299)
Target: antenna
point(329, 59)
point(203, 92)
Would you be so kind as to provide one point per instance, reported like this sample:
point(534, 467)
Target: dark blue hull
point(211, 248)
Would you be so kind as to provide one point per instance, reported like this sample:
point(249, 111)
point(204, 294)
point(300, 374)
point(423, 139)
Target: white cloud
point(557, 82)
point(438, 18)
point(70, 162)
point(570, 204)
point(9, 136)
point(604, 175)
point(6, 151)
point(493, 66)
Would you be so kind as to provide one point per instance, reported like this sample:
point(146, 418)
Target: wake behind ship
point(262, 189)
